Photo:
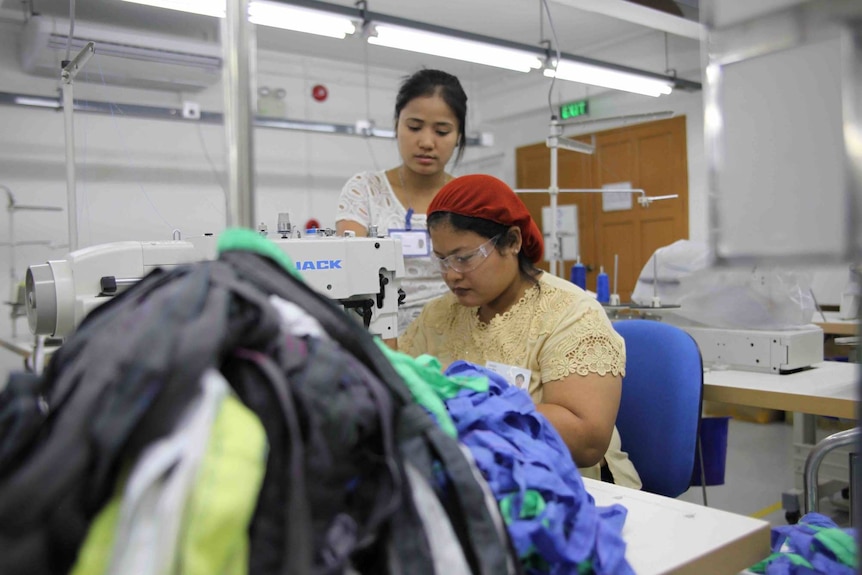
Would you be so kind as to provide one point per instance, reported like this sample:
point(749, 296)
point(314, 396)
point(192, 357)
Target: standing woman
point(508, 315)
point(430, 121)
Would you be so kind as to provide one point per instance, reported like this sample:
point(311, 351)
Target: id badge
point(517, 376)
point(414, 243)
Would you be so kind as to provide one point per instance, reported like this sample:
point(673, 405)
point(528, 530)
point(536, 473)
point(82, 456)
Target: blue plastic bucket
point(713, 440)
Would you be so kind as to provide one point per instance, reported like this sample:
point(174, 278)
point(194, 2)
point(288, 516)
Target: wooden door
point(534, 172)
point(650, 156)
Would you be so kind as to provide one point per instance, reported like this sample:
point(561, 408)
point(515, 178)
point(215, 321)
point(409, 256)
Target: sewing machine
point(768, 351)
point(59, 293)
point(747, 319)
point(363, 274)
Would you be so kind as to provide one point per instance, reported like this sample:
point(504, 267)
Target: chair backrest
point(659, 416)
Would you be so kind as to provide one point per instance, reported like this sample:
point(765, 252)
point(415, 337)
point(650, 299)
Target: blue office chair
point(659, 416)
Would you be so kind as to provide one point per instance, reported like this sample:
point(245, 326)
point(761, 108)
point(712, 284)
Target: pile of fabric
point(554, 524)
point(815, 545)
point(223, 418)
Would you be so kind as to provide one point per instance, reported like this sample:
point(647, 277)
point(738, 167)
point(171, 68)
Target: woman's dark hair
point(426, 83)
point(486, 229)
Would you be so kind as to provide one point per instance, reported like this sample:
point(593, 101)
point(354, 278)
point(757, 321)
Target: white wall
point(140, 179)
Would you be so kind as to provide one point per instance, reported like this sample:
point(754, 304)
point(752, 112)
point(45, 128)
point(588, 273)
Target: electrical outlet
point(191, 110)
point(364, 127)
point(271, 102)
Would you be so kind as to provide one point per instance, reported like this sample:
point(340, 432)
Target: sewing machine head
point(363, 274)
point(59, 293)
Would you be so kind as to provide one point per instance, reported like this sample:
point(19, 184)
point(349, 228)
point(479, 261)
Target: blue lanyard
point(407, 218)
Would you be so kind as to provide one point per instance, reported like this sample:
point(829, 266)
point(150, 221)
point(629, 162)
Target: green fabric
point(840, 543)
point(218, 511)
point(535, 563)
point(449, 387)
point(221, 506)
point(428, 386)
point(532, 506)
point(795, 558)
point(251, 241)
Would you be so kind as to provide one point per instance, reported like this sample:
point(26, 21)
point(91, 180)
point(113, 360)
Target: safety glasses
point(467, 262)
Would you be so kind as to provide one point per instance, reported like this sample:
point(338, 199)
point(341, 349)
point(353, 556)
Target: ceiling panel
point(579, 32)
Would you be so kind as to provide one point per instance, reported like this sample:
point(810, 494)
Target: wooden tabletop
point(834, 325)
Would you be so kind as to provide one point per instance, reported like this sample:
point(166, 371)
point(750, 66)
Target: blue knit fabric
point(520, 454)
point(815, 545)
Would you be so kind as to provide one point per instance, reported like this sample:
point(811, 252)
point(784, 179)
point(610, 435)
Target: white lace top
point(368, 199)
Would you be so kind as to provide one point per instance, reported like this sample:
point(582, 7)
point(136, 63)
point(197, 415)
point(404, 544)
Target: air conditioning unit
point(123, 56)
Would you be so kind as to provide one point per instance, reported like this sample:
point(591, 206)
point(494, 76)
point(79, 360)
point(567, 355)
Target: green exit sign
point(574, 109)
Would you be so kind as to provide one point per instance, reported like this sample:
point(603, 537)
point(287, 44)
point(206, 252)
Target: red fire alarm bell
point(319, 92)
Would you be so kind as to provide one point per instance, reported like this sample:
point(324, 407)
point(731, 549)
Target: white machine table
point(670, 536)
point(829, 388)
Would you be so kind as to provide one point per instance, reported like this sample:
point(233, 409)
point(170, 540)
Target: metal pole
point(11, 211)
point(71, 192)
point(810, 487)
point(237, 45)
point(67, 78)
point(554, 190)
point(12, 289)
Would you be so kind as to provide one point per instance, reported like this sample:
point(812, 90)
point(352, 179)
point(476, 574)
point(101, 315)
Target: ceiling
point(579, 32)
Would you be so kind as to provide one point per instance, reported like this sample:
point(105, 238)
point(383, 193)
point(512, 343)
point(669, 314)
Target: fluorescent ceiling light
point(203, 7)
point(435, 44)
point(609, 78)
point(38, 102)
point(265, 13)
point(299, 19)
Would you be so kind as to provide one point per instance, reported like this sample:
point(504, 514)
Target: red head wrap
point(481, 196)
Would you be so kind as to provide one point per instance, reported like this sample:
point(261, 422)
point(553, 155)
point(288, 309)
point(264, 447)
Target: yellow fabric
point(219, 510)
point(555, 330)
point(222, 504)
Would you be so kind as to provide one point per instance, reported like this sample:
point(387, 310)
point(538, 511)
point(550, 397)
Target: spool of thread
point(579, 275)
point(603, 288)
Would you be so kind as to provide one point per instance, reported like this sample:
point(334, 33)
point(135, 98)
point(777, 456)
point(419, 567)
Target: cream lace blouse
point(555, 330)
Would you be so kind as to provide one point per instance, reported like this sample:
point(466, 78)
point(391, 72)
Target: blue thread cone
point(579, 275)
point(603, 288)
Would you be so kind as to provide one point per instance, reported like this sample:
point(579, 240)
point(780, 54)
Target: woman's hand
point(583, 410)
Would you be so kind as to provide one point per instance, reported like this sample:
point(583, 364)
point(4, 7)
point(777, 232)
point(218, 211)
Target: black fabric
point(23, 410)
point(339, 420)
point(469, 515)
point(282, 496)
point(71, 466)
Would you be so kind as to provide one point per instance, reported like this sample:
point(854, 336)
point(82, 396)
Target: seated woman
point(504, 312)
